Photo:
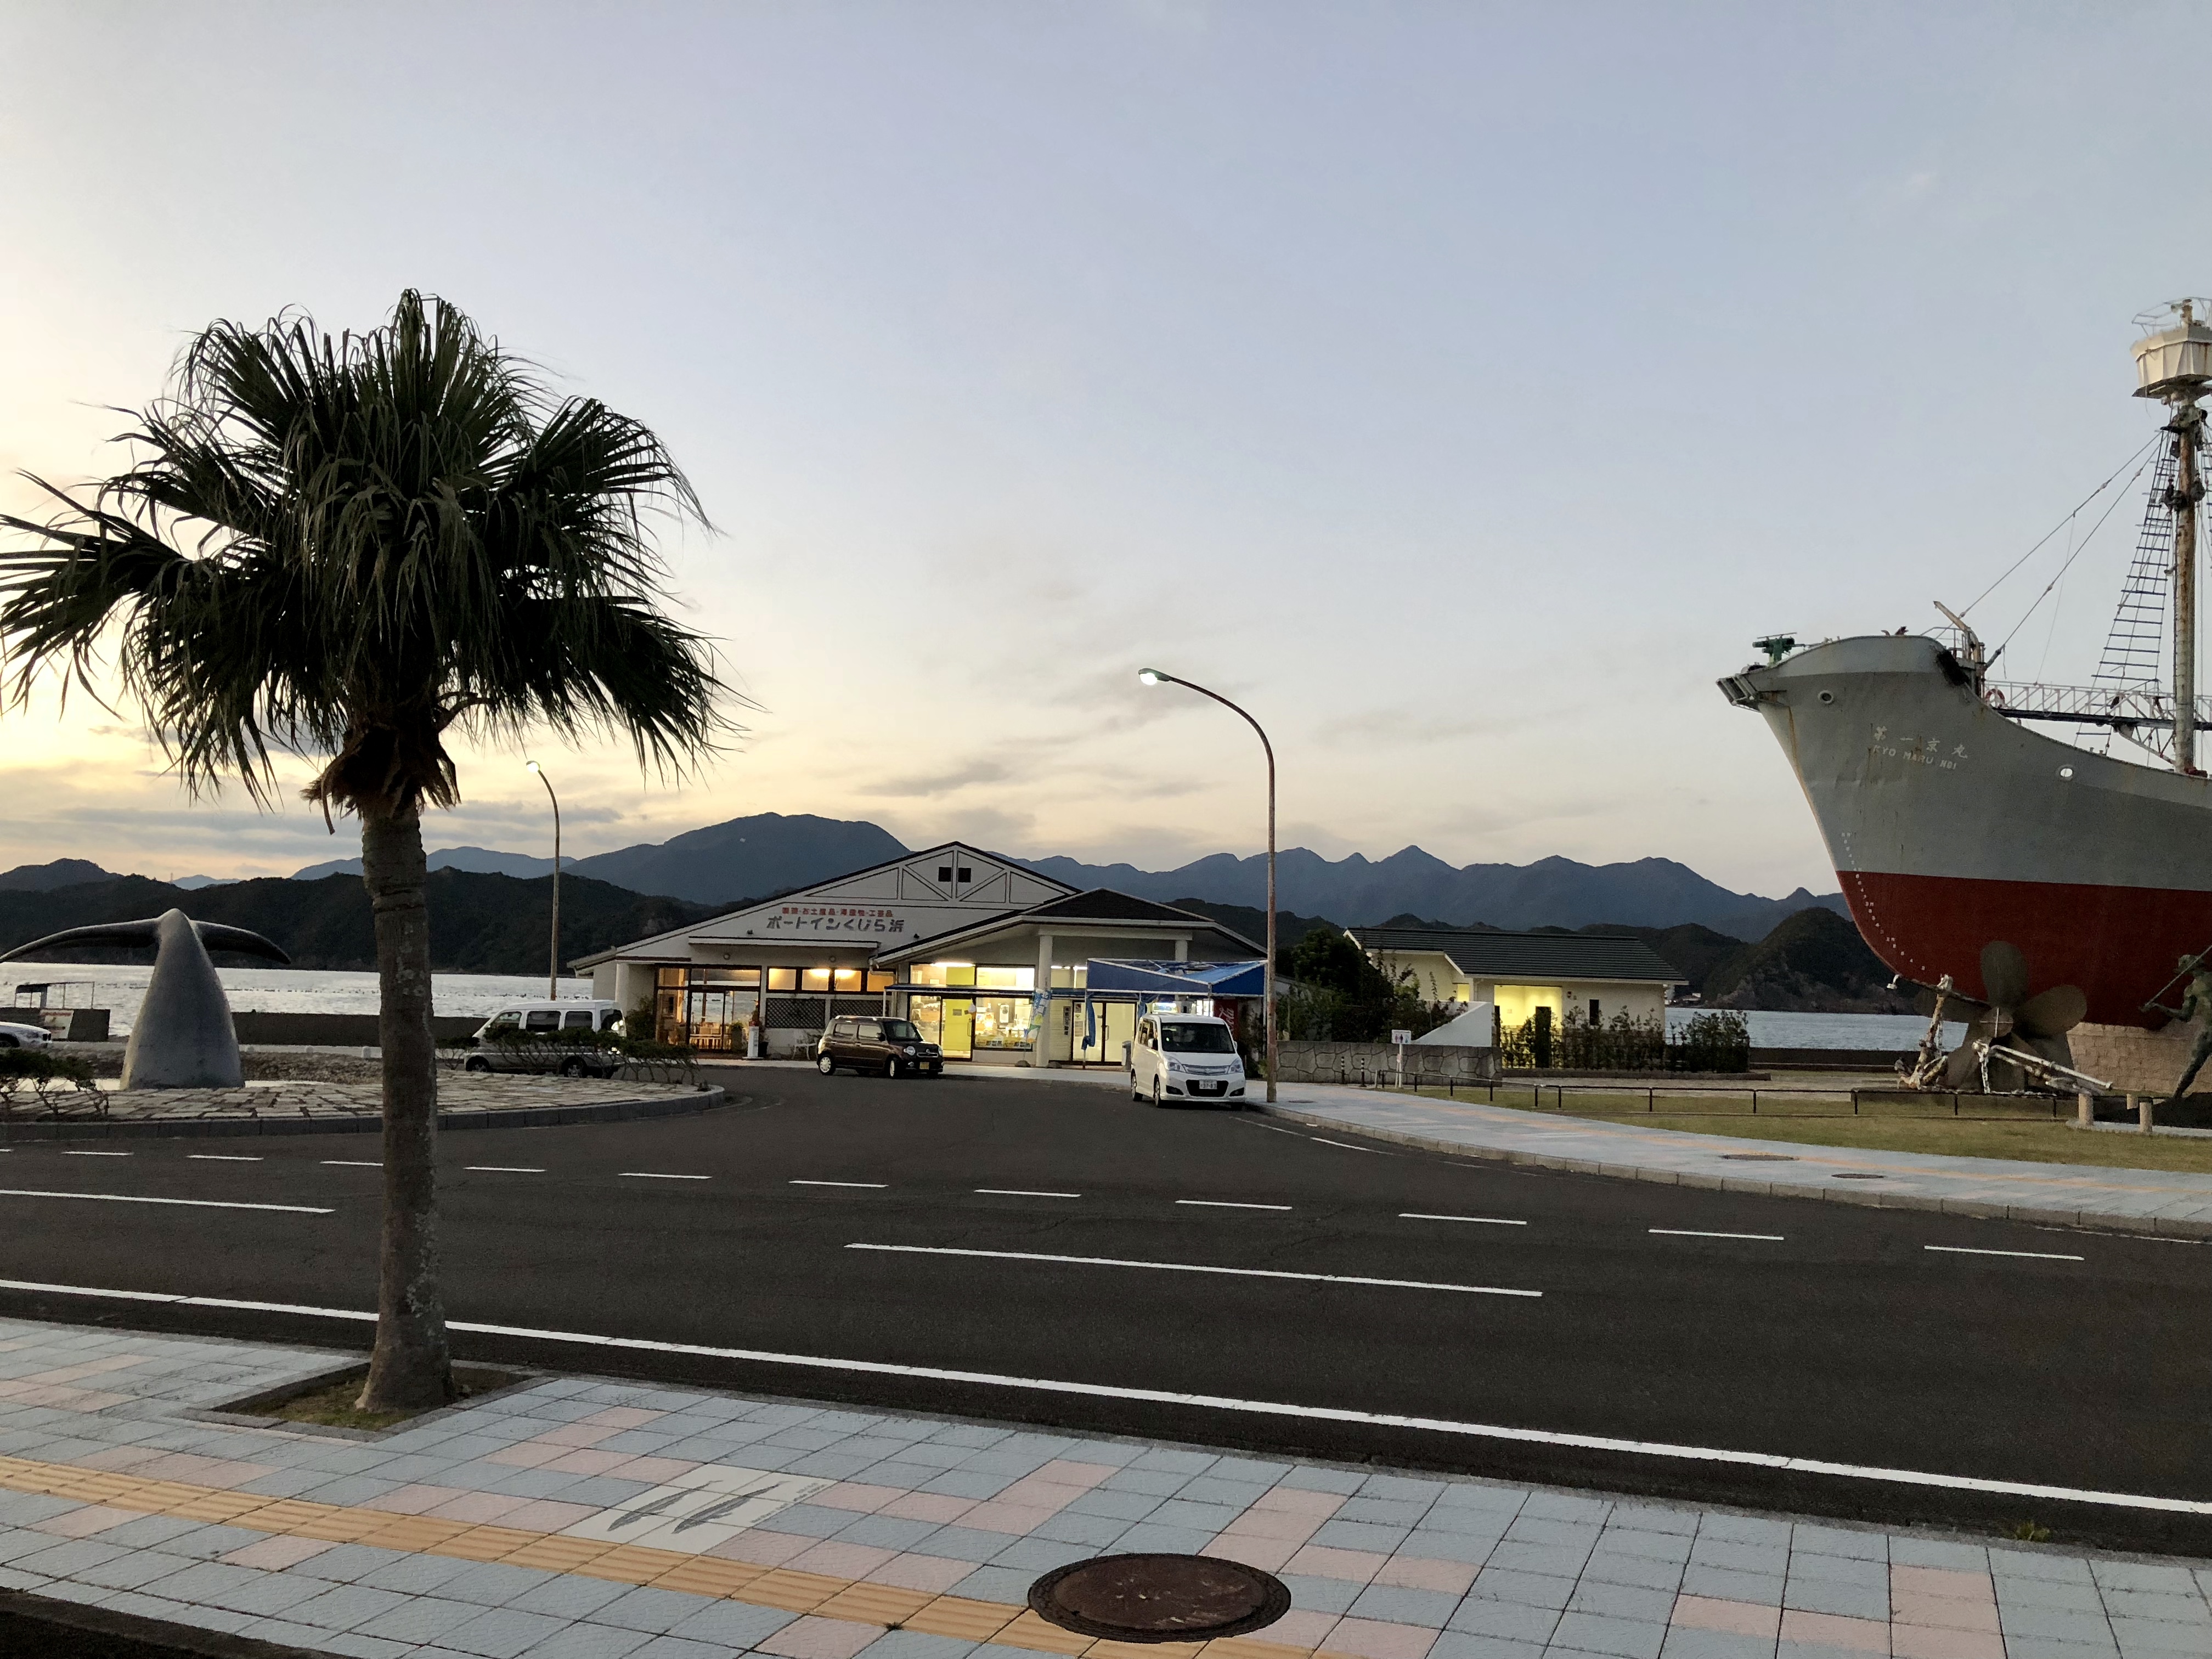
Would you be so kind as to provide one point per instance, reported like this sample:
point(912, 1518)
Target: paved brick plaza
point(493, 1530)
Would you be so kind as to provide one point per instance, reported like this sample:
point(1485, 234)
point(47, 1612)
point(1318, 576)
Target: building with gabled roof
point(1596, 974)
point(989, 958)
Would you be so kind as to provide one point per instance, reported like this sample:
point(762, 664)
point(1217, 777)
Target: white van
point(1184, 1057)
point(546, 1019)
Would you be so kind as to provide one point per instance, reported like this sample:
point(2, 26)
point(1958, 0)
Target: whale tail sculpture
point(183, 1037)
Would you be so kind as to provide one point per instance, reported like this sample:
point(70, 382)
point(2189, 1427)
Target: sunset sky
point(1462, 387)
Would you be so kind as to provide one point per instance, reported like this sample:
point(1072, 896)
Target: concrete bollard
point(2085, 1110)
point(2143, 1111)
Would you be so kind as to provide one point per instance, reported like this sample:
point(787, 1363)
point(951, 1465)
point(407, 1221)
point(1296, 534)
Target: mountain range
point(770, 852)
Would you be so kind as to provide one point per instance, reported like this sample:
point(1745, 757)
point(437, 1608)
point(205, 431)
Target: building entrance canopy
point(1178, 979)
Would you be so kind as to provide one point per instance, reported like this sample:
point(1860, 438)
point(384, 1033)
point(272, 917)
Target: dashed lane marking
point(1699, 1232)
point(1779, 1461)
point(351, 1164)
point(1225, 1204)
point(95, 1154)
point(502, 1168)
point(1319, 1141)
point(655, 1175)
point(222, 1157)
point(1196, 1267)
point(191, 1203)
point(873, 1186)
point(1482, 1220)
point(2032, 1256)
point(1023, 1191)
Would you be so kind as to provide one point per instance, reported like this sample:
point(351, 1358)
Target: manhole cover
point(1159, 1598)
point(1848, 1175)
point(1760, 1158)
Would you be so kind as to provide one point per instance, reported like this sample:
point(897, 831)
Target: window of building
point(815, 979)
point(878, 980)
point(783, 979)
point(670, 976)
point(1007, 979)
point(944, 873)
point(849, 978)
point(942, 973)
point(963, 874)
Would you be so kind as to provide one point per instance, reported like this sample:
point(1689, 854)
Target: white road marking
point(877, 1186)
point(1209, 1402)
point(1023, 1192)
point(1320, 1141)
point(222, 1157)
point(2036, 1256)
point(502, 1168)
point(1195, 1267)
point(194, 1203)
point(655, 1175)
point(95, 1154)
point(1695, 1232)
point(1486, 1220)
point(1224, 1204)
point(351, 1164)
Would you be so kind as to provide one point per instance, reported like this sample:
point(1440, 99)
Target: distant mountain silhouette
point(1361, 892)
point(480, 860)
point(45, 877)
point(770, 853)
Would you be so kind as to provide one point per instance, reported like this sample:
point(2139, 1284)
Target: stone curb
point(476, 1117)
point(1892, 1200)
point(55, 1618)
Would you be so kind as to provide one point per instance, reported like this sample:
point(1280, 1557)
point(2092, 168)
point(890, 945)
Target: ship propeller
point(2010, 1017)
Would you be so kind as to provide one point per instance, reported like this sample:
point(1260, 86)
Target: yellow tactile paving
point(855, 1600)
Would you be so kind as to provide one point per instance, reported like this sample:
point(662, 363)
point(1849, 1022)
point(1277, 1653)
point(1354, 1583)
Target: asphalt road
point(1053, 1232)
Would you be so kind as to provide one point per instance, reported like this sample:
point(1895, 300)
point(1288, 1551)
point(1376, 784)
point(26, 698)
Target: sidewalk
point(576, 1519)
point(2060, 1195)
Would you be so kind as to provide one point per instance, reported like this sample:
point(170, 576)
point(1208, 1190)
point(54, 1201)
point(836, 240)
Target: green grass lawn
point(1988, 1127)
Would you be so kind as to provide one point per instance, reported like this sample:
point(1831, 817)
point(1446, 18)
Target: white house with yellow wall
point(1597, 976)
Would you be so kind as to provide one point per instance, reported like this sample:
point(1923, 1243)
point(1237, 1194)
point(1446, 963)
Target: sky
point(1462, 388)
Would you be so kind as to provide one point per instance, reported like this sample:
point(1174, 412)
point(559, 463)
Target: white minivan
point(546, 1019)
point(1184, 1057)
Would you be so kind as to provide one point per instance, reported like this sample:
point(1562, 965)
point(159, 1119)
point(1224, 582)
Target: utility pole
point(553, 968)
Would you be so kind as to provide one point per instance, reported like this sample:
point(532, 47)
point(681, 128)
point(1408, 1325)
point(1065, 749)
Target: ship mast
point(2174, 365)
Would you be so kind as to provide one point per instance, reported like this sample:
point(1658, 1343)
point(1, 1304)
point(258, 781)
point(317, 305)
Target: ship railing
point(2124, 708)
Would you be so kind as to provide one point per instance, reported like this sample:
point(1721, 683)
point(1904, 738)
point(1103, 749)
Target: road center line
point(1319, 1141)
point(2033, 1255)
point(1224, 1204)
point(1697, 1232)
point(874, 1186)
point(1779, 1461)
point(194, 1203)
point(222, 1157)
point(351, 1164)
point(655, 1175)
point(1195, 1267)
point(1486, 1220)
point(1023, 1191)
point(95, 1154)
point(502, 1168)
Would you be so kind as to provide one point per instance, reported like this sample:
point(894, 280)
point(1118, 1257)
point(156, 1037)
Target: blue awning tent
point(1178, 979)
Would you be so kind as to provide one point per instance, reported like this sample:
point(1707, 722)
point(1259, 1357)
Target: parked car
point(892, 1046)
point(12, 1036)
point(544, 1023)
point(1186, 1057)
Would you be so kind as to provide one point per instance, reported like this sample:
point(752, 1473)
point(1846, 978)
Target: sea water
point(285, 990)
point(294, 990)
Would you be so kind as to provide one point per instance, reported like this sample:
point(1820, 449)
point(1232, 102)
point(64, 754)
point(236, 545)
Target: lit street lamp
point(553, 972)
point(1154, 677)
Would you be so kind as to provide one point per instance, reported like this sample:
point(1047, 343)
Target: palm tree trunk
point(412, 1368)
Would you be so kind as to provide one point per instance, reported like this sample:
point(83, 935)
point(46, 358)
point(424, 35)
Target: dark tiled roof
point(1527, 956)
point(1104, 904)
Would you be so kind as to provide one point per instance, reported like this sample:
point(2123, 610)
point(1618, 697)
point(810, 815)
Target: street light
point(553, 971)
point(1154, 677)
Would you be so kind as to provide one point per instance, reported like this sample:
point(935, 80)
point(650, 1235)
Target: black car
point(890, 1047)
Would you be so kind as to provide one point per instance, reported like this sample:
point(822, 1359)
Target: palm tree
point(347, 547)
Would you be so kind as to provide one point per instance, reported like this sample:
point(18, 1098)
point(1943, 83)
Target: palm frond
point(340, 545)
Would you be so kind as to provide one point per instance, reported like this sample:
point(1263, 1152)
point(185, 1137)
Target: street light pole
point(553, 970)
point(1154, 677)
